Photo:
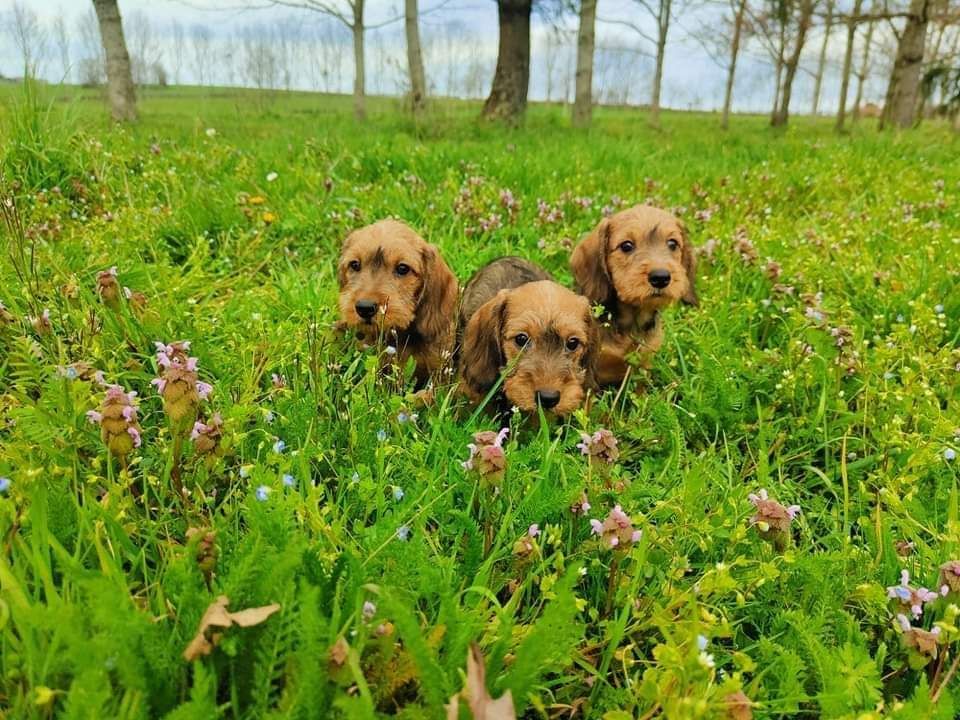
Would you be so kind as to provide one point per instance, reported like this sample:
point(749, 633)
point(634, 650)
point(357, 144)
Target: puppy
point(516, 320)
point(395, 287)
point(634, 263)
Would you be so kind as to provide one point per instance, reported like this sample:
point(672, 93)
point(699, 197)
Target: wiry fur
point(510, 297)
point(415, 312)
point(619, 279)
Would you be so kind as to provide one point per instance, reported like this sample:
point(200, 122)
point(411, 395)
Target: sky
point(240, 42)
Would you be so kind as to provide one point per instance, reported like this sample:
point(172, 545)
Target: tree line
point(914, 43)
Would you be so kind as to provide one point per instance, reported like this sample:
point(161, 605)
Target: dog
point(396, 288)
point(516, 320)
point(634, 264)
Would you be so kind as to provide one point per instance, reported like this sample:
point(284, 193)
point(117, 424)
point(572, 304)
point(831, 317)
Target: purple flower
point(599, 447)
point(279, 446)
point(289, 481)
point(617, 530)
point(369, 610)
point(4, 485)
point(909, 598)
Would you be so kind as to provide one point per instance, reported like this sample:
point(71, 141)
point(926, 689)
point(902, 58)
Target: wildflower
point(4, 485)
point(949, 454)
point(390, 350)
point(271, 176)
point(108, 288)
point(403, 532)
point(909, 598)
point(355, 477)
point(382, 435)
point(904, 548)
point(279, 381)
point(117, 418)
point(534, 530)
point(263, 492)
point(137, 300)
point(42, 324)
point(950, 577)
point(923, 641)
point(245, 471)
point(279, 446)
point(178, 382)
point(599, 447)
point(616, 531)
point(581, 506)
point(289, 480)
point(269, 417)
point(704, 658)
point(203, 544)
point(211, 132)
point(397, 493)
point(772, 519)
point(487, 457)
point(773, 270)
point(369, 610)
point(938, 309)
point(404, 417)
point(206, 436)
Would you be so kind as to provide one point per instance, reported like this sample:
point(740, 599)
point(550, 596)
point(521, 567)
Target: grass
point(822, 366)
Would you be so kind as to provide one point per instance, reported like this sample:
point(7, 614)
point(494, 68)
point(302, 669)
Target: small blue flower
point(244, 471)
point(289, 481)
point(269, 416)
point(381, 435)
point(263, 492)
point(902, 592)
point(279, 446)
point(402, 417)
point(403, 532)
point(4, 484)
point(397, 493)
point(702, 642)
point(71, 373)
point(949, 454)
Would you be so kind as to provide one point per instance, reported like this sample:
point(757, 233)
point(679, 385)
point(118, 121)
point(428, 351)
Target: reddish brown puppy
point(634, 263)
point(396, 289)
point(539, 335)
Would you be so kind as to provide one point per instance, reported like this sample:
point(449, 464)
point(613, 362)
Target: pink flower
point(178, 383)
point(909, 598)
point(616, 531)
point(487, 457)
point(925, 642)
point(534, 530)
point(599, 447)
point(117, 418)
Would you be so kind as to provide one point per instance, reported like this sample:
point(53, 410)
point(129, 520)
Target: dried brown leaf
point(217, 616)
point(481, 703)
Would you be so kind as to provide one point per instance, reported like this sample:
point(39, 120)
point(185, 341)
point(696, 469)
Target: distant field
point(822, 366)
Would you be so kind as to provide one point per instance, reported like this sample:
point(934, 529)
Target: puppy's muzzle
point(659, 278)
point(548, 399)
point(366, 309)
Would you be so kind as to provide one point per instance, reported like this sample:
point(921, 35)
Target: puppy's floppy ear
point(481, 354)
point(589, 264)
point(689, 261)
point(592, 354)
point(438, 296)
point(342, 262)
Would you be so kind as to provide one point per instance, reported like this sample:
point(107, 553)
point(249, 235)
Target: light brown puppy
point(541, 335)
point(396, 288)
point(634, 263)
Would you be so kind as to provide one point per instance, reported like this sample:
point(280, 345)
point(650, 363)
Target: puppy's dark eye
point(573, 343)
point(355, 265)
point(672, 244)
point(402, 269)
point(627, 246)
point(521, 340)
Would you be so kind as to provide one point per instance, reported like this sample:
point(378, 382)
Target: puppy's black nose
point(659, 278)
point(366, 309)
point(548, 398)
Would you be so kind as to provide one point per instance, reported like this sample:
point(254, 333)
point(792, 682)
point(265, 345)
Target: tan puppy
point(396, 288)
point(634, 263)
point(544, 337)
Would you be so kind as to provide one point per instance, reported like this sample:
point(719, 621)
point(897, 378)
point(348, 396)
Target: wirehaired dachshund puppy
point(516, 320)
point(396, 289)
point(634, 264)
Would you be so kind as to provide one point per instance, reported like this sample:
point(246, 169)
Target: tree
point(418, 79)
point(903, 90)
point(583, 101)
point(738, 23)
point(120, 90)
point(30, 38)
point(511, 80)
point(851, 21)
point(201, 40)
point(62, 40)
point(864, 69)
point(822, 61)
point(179, 42)
point(803, 19)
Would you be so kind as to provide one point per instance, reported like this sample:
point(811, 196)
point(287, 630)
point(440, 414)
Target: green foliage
point(822, 366)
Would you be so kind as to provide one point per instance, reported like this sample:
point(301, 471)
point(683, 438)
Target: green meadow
point(822, 366)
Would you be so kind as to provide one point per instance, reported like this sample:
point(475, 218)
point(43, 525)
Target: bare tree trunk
point(791, 65)
point(359, 64)
point(511, 81)
point(822, 62)
point(781, 49)
point(863, 71)
point(847, 64)
point(663, 27)
point(904, 88)
point(583, 103)
point(123, 98)
point(418, 79)
point(731, 71)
